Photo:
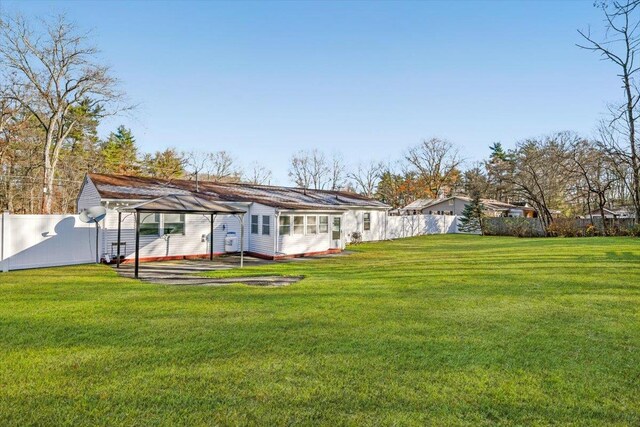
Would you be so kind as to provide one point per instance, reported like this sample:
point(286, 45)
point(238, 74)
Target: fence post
point(4, 259)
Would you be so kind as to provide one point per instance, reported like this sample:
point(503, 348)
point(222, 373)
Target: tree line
point(55, 91)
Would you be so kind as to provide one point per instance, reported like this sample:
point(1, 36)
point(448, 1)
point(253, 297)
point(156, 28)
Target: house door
point(336, 233)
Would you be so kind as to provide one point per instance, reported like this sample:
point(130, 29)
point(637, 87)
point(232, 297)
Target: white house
point(455, 205)
point(279, 222)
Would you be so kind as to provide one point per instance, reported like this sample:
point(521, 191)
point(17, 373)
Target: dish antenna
point(94, 214)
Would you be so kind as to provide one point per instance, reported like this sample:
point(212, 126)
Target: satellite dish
point(93, 214)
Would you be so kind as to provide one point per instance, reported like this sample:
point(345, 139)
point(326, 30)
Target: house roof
point(184, 203)
point(490, 204)
point(418, 204)
point(122, 187)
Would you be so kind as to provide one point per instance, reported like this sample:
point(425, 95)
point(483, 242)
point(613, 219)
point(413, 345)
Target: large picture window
point(284, 223)
point(254, 224)
point(173, 224)
point(366, 221)
point(266, 225)
point(149, 224)
point(323, 226)
point(312, 225)
point(298, 224)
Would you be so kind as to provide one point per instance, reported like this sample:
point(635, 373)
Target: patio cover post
point(241, 240)
point(211, 240)
point(119, 228)
point(137, 244)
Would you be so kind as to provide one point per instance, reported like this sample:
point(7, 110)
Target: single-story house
point(415, 207)
point(613, 213)
point(455, 205)
point(279, 222)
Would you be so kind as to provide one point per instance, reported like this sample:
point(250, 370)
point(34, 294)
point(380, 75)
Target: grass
point(442, 330)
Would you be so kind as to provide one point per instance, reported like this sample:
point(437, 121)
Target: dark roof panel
point(184, 203)
point(143, 188)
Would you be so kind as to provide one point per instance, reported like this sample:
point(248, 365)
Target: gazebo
point(180, 204)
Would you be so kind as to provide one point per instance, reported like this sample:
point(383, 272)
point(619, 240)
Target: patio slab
point(185, 272)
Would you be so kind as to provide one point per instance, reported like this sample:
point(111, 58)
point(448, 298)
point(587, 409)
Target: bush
point(356, 237)
point(634, 230)
point(565, 227)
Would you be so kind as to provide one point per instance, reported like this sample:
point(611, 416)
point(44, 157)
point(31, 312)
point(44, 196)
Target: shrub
point(565, 227)
point(356, 237)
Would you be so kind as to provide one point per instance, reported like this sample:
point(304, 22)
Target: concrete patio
point(185, 272)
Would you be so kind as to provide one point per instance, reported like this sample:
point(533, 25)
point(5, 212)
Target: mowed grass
point(436, 330)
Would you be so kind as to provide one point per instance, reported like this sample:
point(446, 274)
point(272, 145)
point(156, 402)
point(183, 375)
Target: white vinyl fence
point(31, 241)
point(417, 225)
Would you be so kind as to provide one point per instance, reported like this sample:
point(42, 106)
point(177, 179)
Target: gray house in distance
point(454, 205)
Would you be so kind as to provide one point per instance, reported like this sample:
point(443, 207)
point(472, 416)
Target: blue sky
point(363, 79)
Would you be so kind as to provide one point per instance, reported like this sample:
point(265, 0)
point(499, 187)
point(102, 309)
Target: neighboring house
point(415, 207)
point(454, 205)
point(613, 213)
point(279, 221)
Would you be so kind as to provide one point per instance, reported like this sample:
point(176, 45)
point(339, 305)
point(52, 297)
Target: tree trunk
point(635, 166)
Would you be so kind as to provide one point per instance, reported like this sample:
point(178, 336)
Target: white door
point(336, 233)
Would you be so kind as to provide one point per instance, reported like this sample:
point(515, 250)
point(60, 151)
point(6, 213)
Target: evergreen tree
point(167, 164)
point(472, 219)
point(120, 153)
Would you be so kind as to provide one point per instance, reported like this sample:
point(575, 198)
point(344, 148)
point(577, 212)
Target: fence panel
point(418, 225)
point(32, 241)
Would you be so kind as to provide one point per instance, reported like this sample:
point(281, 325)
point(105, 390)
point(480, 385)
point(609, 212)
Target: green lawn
point(444, 330)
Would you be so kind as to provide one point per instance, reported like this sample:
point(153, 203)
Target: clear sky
point(363, 79)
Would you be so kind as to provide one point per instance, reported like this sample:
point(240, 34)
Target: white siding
point(298, 244)
point(89, 195)
point(353, 220)
point(195, 241)
point(259, 243)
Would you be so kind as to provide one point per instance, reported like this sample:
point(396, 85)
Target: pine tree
point(472, 219)
point(120, 153)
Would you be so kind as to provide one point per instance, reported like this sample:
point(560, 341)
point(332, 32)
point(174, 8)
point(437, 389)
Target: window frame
point(313, 230)
point(182, 220)
point(266, 225)
point(143, 216)
point(299, 226)
point(320, 225)
point(366, 221)
point(282, 226)
point(257, 224)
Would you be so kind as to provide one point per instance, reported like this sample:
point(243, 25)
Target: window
point(173, 224)
point(254, 224)
point(266, 225)
point(367, 221)
point(298, 224)
point(149, 224)
point(285, 225)
point(324, 224)
point(312, 225)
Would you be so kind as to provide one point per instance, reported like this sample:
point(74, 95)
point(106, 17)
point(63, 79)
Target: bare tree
point(310, 169)
point(53, 73)
point(218, 166)
point(337, 172)
point(535, 171)
point(366, 177)
point(436, 162)
point(619, 46)
point(258, 174)
point(223, 167)
point(196, 162)
point(595, 170)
